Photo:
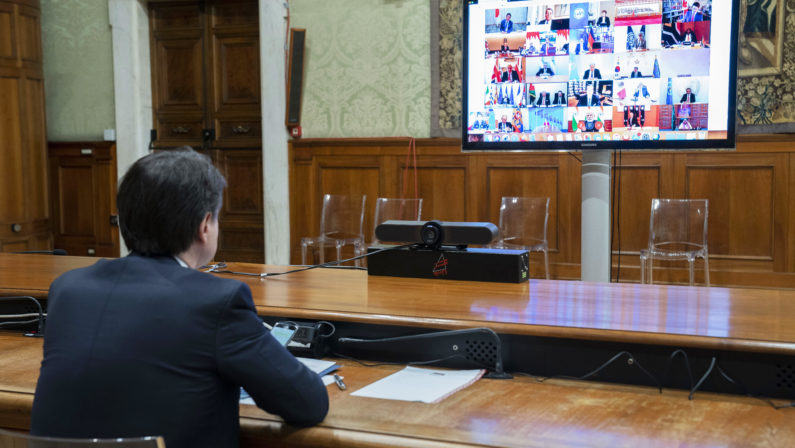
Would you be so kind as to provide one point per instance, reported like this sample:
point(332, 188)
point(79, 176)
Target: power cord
point(410, 363)
point(39, 316)
point(713, 365)
point(220, 268)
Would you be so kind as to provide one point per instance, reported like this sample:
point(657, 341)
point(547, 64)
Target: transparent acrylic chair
point(523, 225)
point(677, 231)
point(393, 208)
point(341, 222)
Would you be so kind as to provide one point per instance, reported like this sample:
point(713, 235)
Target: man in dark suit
point(592, 73)
point(506, 25)
point(149, 345)
point(545, 71)
point(688, 97)
point(547, 17)
point(504, 125)
point(693, 14)
point(544, 99)
point(635, 73)
point(588, 98)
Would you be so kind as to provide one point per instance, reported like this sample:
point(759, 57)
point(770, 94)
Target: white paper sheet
point(316, 365)
point(423, 385)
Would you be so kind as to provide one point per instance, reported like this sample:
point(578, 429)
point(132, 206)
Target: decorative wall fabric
point(78, 69)
point(367, 67)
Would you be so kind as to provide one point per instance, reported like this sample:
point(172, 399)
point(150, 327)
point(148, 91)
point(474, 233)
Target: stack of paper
point(424, 385)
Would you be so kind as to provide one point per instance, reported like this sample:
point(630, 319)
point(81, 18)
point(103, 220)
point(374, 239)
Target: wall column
point(276, 187)
point(129, 23)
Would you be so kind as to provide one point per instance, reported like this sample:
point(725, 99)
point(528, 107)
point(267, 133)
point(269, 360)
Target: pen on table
point(340, 383)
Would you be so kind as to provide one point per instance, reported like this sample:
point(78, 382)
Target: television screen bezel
point(727, 143)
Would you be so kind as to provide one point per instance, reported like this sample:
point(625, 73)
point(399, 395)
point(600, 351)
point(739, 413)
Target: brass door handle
point(240, 130)
point(180, 130)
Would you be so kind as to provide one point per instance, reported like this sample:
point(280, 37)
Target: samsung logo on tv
point(589, 145)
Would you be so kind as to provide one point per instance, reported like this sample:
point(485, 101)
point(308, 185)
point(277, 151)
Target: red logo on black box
point(440, 267)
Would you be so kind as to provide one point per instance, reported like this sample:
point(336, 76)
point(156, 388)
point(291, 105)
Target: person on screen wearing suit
point(506, 25)
point(693, 14)
point(560, 99)
point(504, 125)
point(635, 73)
point(547, 17)
point(603, 21)
point(589, 98)
point(505, 48)
point(592, 73)
point(544, 100)
point(545, 71)
point(148, 344)
point(688, 97)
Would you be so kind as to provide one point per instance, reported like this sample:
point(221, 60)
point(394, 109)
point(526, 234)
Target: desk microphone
point(44, 252)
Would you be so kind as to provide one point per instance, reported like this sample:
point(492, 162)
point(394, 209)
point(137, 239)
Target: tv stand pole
point(595, 257)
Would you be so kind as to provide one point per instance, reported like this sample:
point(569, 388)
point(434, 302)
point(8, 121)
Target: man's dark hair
point(507, 15)
point(163, 199)
point(697, 4)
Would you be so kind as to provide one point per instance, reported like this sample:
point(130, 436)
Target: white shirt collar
point(181, 263)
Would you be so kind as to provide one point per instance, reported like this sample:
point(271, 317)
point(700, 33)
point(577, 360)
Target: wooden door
point(83, 192)
point(24, 207)
point(178, 74)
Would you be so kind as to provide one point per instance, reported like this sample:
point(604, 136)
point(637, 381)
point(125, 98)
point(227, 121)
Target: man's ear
point(204, 228)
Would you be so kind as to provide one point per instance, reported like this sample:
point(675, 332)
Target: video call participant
point(149, 345)
point(636, 73)
point(560, 99)
point(544, 100)
point(603, 21)
point(506, 25)
point(693, 14)
point(547, 17)
point(589, 98)
point(504, 48)
point(592, 73)
point(504, 125)
point(545, 70)
point(688, 97)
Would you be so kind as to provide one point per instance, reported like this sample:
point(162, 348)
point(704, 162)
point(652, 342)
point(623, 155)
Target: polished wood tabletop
point(514, 413)
point(755, 320)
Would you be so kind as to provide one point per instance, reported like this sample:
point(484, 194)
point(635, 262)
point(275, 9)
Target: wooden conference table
point(518, 412)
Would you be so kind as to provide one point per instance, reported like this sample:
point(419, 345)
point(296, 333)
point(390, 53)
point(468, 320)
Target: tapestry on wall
point(766, 65)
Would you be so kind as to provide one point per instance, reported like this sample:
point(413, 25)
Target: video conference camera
point(435, 234)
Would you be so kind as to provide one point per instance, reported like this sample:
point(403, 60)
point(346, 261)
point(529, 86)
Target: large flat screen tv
point(612, 74)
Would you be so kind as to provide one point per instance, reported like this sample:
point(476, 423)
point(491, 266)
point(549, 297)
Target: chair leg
point(546, 263)
point(642, 267)
point(339, 252)
point(691, 262)
point(321, 248)
point(650, 268)
point(303, 253)
point(706, 269)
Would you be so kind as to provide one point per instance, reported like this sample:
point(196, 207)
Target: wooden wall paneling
point(175, 17)
point(790, 253)
point(105, 178)
point(641, 179)
point(747, 195)
point(241, 222)
point(8, 45)
point(35, 150)
point(29, 29)
point(238, 14)
point(180, 85)
point(569, 210)
point(539, 178)
point(11, 164)
point(442, 184)
point(303, 185)
point(347, 175)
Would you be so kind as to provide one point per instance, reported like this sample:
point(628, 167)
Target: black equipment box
point(482, 265)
